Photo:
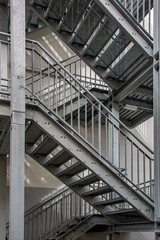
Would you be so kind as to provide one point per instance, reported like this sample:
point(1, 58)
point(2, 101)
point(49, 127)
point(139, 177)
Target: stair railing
point(88, 119)
point(82, 72)
point(54, 215)
point(79, 70)
point(85, 117)
point(141, 10)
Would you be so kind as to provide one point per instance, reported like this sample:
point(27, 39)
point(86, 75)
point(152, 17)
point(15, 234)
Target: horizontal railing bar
point(132, 20)
point(89, 144)
point(122, 124)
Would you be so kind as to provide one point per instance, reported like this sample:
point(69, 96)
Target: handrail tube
point(122, 124)
point(73, 130)
point(131, 19)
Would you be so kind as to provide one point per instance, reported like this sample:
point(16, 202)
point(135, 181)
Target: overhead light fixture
point(130, 107)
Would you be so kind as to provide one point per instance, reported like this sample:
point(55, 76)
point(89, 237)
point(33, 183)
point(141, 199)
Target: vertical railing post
point(156, 92)
point(16, 213)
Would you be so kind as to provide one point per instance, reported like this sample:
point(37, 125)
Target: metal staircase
point(109, 38)
point(59, 216)
point(88, 149)
point(80, 149)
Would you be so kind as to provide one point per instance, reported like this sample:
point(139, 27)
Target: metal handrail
point(61, 207)
point(102, 157)
point(99, 112)
point(82, 87)
point(121, 6)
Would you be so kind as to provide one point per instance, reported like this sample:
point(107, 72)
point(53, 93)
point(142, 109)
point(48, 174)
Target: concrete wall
point(139, 236)
point(123, 236)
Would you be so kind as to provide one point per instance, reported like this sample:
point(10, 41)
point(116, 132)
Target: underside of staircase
point(112, 43)
point(73, 163)
point(69, 128)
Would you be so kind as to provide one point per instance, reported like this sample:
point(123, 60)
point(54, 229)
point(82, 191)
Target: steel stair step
point(91, 21)
point(75, 13)
point(127, 211)
point(60, 158)
point(86, 181)
point(57, 10)
point(44, 148)
point(128, 215)
point(72, 170)
point(110, 202)
point(102, 38)
point(125, 63)
point(32, 134)
point(113, 51)
point(98, 191)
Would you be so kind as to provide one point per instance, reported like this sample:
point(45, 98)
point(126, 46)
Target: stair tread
point(113, 51)
point(99, 42)
point(126, 211)
point(32, 134)
point(45, 147)
point(84, 32)
point(86, 180)
point(98, 191)
point(68, 24)
point(110, 201)
point(60, 158)
point(125, 63)
point(73, 170)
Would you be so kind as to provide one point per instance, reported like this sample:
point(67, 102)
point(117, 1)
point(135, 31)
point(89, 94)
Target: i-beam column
point(17, 19)
point(156, 77)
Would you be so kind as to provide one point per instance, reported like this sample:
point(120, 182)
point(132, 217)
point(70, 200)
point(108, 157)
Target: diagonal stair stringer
point(84, 155)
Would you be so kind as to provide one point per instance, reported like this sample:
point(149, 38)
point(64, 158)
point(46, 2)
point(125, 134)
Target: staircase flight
point(112, 42)
point(89, 149)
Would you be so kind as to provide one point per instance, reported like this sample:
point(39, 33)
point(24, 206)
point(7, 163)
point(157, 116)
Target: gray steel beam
point(128, 28)
point(3, 197)
point(156, 91)
point(17, 139)
point(132, 84)
point(136, 227)
point(98, 166)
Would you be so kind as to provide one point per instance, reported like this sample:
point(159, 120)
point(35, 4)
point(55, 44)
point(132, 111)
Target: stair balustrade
point(76, 108)
point(141, 10)
point(89, 120)
point(57, 214)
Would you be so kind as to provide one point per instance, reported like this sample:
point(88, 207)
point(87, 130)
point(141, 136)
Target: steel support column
point(17, 150)
point(3, 198)
point(156, 92)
